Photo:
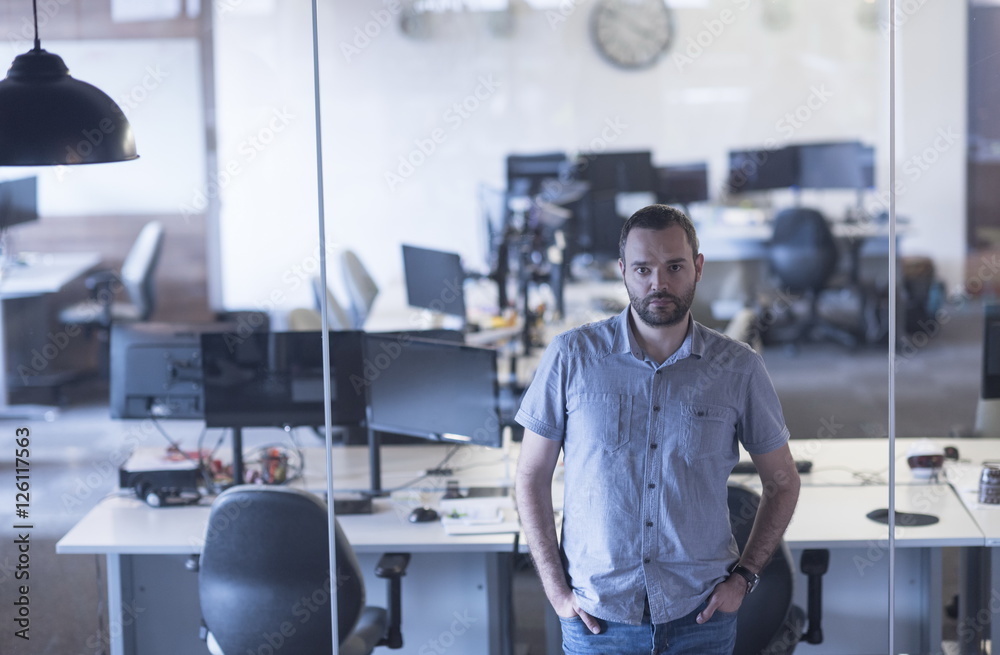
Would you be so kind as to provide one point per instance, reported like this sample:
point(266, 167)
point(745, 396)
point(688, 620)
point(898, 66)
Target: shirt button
point(656, 408)
point(653, 446)
point(649, 524)
point(646, 560)
point(652, 486)
point(700, 412)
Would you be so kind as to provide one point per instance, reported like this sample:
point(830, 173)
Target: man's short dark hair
point(659, 217)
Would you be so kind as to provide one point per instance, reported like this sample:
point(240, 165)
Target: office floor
point(824, 391)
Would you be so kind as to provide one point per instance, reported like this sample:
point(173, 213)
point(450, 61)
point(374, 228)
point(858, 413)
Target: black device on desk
point(435, 390)
point(682, 184)
point(434, 280)
point(275, 379)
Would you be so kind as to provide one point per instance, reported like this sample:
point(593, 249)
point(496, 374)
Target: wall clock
point(631, 33)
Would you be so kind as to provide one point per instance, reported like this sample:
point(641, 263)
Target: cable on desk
point(440, 465)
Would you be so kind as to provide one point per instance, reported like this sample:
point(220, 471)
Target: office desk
point(38, 274)
point(455, 591)
point(146, 550)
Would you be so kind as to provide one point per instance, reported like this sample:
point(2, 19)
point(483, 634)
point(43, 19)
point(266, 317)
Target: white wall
point(541, 87)
point(157, 83)
point(931, 124)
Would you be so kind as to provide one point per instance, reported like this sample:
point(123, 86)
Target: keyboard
point(801, 465)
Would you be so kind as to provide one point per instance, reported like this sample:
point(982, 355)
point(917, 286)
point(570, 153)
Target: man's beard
point(663, 316)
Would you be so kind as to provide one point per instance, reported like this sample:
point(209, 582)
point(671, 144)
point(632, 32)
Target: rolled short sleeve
point(762, 428)
point(543, 406)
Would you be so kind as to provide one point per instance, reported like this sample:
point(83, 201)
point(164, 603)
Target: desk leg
point(116, 641)
point(973, 575)
point(993, 597)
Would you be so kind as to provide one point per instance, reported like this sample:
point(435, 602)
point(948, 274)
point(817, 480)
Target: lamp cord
point(34, 10)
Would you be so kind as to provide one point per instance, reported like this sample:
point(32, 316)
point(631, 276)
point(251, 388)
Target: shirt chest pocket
point(603, 417)
point(708, 430)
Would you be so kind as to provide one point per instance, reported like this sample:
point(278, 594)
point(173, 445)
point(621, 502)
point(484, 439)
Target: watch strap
point(751, 578)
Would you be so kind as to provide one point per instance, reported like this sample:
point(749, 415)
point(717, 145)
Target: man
point(649, 407)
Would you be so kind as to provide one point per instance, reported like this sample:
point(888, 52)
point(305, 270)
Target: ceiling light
point(48, 118)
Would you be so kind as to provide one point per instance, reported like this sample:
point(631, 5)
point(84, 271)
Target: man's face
point(660, 275)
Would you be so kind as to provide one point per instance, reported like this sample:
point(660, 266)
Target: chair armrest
point(814, 564)
point(392, 565)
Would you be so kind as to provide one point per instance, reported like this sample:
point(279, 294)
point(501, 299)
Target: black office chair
point(264, 575)
point(768, 622)
point(135, 280)
point(803, 256)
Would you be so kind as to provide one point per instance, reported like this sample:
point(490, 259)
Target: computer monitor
point(156, 370)
point(763, 169)
point(835, 165)
point(434, 280)
point(988, 406)
point(682, 184)
point(275, 379)
point(18, 201)
point(436, 390)
point(618, 172)
point(526, 174)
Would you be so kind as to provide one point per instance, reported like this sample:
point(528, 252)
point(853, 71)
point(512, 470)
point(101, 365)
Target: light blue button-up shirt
point(647, 451)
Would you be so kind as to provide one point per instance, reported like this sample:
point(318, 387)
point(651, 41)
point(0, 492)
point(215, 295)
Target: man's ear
point(699, 263)
point(621, 267)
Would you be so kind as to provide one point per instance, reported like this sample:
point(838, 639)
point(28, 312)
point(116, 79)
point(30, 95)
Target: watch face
point(631, 33)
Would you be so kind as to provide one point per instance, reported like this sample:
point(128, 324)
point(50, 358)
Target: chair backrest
point(803, 252)
point(337, 316)
point(361, 288)
point(265, 567)
point(764, 614)
point(140, 266)
point(304, 319)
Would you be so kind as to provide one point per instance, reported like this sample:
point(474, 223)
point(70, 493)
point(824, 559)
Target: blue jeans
point(681, 637)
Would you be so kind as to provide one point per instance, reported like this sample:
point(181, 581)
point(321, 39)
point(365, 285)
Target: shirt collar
point(624, 340)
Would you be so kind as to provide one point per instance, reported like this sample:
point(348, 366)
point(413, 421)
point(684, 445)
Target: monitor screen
point(18, 201)
point(990, 387)
point(267, 379)
point(434, 280)
point(681, 185)
point(618, 172)
point(434, 390)
point(527, 173)
point(838, 165)
point(763, 170)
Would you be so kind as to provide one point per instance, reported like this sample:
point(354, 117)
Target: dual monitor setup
point(600, 178)
point(835, 165)
point(397, 383)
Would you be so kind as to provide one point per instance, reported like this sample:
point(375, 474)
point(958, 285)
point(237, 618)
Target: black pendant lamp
point(48, 118)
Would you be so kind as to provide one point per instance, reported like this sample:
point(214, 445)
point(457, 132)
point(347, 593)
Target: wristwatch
point(745, 573)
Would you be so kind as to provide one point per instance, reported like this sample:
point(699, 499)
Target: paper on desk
point(483, 515)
